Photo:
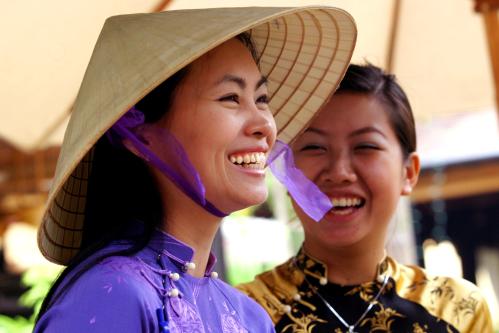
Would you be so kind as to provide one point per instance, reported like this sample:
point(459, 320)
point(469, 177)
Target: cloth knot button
point(174, 276)
point(189, 266)
point(173, 293)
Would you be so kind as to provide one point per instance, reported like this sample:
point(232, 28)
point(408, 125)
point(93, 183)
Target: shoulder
point(414, 278)
point(97, 300)
point(251, 314)
point(453, 299)
point(240, 301)
point(113, 276)
point(274, 289)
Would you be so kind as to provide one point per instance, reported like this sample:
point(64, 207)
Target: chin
point(333, 234)
point(341, 242)
point(245, 199)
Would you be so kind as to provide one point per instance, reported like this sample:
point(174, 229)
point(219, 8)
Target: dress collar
point(179, 253)
point(313, 268)
point(316, 270)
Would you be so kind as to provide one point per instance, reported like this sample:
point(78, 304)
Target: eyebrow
point(360, 131)
point(240, 81)
point(315, 130)
point(263, 80)
point(367, 129)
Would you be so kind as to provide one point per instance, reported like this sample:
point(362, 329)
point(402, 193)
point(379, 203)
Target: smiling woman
point(170, 132)
point(223, 100)
point(360, 151)
point(334, 152)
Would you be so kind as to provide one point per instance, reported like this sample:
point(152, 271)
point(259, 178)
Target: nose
point(261, 124)
point(339, 169)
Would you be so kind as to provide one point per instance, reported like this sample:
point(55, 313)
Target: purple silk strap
point(303, 191)
point(170, 157)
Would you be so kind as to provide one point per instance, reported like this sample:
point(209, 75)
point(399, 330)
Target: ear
point(412, 167)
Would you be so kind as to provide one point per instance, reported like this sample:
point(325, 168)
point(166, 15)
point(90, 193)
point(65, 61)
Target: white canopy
point(439, 54)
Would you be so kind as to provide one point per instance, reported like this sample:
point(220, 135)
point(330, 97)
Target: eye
point(264, 99)
point(230, 98)
point(367, 146)
point(313, 148)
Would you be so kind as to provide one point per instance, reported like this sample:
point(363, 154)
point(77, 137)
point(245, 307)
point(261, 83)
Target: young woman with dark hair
point(360, 151)
point(170, 132)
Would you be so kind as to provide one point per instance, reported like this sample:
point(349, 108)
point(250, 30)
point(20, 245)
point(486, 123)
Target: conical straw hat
point(303, 52)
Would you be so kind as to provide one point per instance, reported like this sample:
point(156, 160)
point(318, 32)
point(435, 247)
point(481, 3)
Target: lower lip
point(342, 216)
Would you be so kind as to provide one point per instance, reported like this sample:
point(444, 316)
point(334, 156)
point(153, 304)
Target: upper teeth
point(258, 158)
point(345, 202)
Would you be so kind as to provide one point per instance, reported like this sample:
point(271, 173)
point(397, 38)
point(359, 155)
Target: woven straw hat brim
point(303, 52)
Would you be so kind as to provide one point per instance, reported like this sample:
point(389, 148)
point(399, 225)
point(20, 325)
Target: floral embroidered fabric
point(411, 302)
point(127, 294)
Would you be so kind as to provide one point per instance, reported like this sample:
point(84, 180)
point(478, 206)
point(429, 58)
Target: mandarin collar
point(178, 252)
point(317, 270)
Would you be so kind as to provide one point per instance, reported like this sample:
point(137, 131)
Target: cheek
point(191, 141)
point(306, 221)
point(208, 132)
point(384, 178)
point(221, 126)
point(311, 167)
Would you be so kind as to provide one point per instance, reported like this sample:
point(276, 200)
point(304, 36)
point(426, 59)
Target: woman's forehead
point(230, 59)
point(349, 112)
point(227, 49)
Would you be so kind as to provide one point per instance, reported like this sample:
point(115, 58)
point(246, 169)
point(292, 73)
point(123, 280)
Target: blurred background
point(445, 54)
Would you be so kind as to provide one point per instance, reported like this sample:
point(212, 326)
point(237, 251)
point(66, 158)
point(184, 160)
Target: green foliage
point(241, 273)
point(38, 280)
point(18, 324)
point(243, 212)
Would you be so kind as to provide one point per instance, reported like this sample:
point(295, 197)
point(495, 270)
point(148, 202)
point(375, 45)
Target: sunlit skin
point(350, 150)
point(220, 109)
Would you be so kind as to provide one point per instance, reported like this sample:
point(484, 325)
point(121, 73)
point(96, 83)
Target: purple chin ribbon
point(303, 191)
point(169, 156)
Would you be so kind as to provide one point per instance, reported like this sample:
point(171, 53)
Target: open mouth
point(249, 160)
point(346, 205)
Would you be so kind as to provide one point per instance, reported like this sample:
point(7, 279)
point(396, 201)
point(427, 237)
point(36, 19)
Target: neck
point(191, 224)
point(349, 265)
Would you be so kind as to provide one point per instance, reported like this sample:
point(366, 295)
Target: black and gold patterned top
point(411, 301)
